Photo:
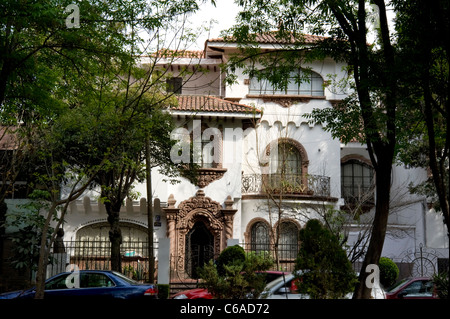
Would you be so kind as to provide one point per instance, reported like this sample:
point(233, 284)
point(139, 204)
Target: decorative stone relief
point(208, 175)
point(181, 219)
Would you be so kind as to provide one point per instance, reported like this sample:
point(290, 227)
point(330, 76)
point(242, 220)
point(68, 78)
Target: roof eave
point(234, 115)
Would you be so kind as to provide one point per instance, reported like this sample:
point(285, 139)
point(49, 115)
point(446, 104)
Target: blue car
point(92, 284)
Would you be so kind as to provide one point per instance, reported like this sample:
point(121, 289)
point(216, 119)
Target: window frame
point(285, 182)
point(294, 245)
point(175, 85)
point(298, 85)
point(259, 244)
point(358, 191)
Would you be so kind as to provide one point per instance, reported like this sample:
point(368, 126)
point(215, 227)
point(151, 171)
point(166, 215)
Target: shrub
point(237, 278)
point(327, 272)
point(388, 272)
point(233, 255)
point(163, 291)
point(441, 283)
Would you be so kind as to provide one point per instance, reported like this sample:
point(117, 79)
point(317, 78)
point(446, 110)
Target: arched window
point(288, 160)
point(299, 82)
point(100, 232)
point(260, 237)
point(288, 241)
point(93, 240)
point(357, 182)
point(288, 167)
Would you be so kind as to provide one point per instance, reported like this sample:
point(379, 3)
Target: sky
point(223, 13)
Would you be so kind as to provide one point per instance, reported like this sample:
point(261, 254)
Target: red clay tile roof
point(211, 104)
point(8, 140)
point(168, 53)
point(270, 38)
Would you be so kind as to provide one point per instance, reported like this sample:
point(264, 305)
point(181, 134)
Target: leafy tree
point(325, 271)
point(51, 75)
point(57, 182)
point(423, 29)
point(27, 222)
point(372, 113)
point(44, 65)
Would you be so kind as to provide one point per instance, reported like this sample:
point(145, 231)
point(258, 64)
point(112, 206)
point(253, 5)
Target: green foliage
point(26, 224)
point(441, 283)
point(238, 278)
point(326, 271)
point(83, 96)
point(388, 272)
point(424, 50)
point(163, 291)
point(233, 255)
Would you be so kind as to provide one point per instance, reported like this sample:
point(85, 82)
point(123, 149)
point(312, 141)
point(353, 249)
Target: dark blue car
point(92, 284)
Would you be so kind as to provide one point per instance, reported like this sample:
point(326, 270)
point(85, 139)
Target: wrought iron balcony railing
point(289, 184)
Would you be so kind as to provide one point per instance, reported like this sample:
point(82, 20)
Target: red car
point(197, 293)
point(412, 288)
point(202, 293)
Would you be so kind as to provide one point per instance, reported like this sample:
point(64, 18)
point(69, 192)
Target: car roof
point(88, 270)
point(83, 271)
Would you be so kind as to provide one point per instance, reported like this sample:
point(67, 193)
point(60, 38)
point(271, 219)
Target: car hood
point(11, 294)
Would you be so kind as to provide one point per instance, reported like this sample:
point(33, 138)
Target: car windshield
point(397, 286)
point(272, 284)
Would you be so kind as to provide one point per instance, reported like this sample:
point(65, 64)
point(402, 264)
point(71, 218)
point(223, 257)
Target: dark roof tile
point(203, 103)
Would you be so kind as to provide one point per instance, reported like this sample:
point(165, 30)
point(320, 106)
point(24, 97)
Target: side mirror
point(402, 294)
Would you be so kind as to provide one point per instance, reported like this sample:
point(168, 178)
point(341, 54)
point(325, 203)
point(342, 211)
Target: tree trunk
point(378, 234)
point(44, 251)
point(115, 237)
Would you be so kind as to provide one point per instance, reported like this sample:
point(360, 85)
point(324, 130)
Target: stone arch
point(98, 230)
point(180, 221)
point(251, 223)
point(292, 142)
point(212, 223)
point(301, 151)
point(199, 246)
point(288, 220)
point(356, 157)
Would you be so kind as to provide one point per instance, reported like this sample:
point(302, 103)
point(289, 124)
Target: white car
point(282, 288)
point(285, 288)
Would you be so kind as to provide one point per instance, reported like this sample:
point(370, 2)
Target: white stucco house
point(264, 165)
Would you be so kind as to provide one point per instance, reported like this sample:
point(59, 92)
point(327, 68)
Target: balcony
point(313, 186)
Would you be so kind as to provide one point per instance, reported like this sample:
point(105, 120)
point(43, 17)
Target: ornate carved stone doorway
point(199, 248)
point(197, 223)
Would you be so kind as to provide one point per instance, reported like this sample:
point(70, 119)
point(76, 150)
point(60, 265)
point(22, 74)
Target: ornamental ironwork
point(316, 185)
point(423, 261)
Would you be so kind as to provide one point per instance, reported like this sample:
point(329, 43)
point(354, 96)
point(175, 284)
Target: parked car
point(91, 284)
point(197, 293)
point(283, 288)
point(287, 288)
point(202, 293)
point(412, 288)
